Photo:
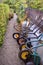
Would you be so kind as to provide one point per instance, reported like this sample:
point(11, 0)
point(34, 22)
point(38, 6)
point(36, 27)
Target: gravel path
point(10, 49)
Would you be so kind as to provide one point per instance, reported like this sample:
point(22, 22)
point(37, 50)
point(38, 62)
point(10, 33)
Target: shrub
point(4, 14)
point(11, 14)
point(37, 4)
point(17, 6)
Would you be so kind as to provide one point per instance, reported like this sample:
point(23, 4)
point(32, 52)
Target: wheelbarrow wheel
point(16, 35)
point(30, 63)
point(21, 41)
point(24, 55)
point(23, 46)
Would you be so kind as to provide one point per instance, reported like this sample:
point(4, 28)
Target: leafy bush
point(11, 14)
point(4, 14)
point(10, 3)
point(17, 6)
point(37, 4)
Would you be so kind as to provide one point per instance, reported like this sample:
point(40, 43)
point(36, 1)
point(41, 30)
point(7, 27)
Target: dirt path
point(10, 49)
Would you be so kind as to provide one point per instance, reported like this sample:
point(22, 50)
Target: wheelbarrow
point(35, 55)
point(23, 40)
point(25, 53)
point(22, 35)
point(36, 27)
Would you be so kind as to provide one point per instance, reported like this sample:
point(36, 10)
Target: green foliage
point(10, 3)
point(4, 13)
point(18, 20)
point(38, 4)
point(18, 6)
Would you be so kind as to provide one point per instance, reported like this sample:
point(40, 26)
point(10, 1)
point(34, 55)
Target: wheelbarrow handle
point(37, 39)
point(40, 45)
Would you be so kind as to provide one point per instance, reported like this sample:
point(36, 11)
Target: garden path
point(10, 49)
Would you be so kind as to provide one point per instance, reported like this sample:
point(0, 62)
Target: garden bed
point(4, 15)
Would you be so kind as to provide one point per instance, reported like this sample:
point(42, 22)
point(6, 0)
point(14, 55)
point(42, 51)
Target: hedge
point(4, 15)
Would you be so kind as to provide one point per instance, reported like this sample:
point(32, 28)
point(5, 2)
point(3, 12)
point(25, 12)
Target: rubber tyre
point(24, 55)
point(23, 46)
point(30, 63)
point(15, 34)
point(21, 41)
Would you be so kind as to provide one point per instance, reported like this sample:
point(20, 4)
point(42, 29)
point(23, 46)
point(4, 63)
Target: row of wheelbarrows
point(29, 40)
